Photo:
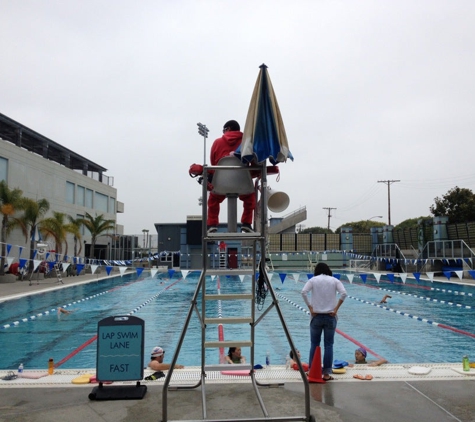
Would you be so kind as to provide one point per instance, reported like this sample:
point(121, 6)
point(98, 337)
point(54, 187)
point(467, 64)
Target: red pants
point(249, 204)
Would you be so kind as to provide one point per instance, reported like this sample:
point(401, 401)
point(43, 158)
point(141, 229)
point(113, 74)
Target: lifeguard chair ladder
point(232, 179)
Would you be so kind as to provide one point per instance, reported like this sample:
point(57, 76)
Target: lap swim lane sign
point(120, 349)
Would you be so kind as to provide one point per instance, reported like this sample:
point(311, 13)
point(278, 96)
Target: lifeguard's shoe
point(212, 229)
point(246, 228)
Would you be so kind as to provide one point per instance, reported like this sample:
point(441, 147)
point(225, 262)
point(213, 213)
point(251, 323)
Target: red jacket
point(225, 146)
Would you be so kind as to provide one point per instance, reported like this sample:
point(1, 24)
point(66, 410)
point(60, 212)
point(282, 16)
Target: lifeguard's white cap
point(157, 351)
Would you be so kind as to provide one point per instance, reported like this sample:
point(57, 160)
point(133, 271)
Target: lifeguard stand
point(232, 179)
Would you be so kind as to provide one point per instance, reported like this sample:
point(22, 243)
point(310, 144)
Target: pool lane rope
point(94, 338)
point(222, 358)
point(408, 315)
point(306, 311)
point(455, 292)
point(52, 311)
point(428, 299)
point(55, 310)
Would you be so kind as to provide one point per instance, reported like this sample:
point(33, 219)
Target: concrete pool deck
point(444, 394)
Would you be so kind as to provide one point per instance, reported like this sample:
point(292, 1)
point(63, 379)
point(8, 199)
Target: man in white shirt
point(323, 306)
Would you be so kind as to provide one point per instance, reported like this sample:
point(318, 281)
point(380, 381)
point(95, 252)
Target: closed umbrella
point(264, 134)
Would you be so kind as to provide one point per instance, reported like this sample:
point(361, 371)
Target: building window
point(70, 192)
point(3, 169)
point(81, 195)
point(89, 203)
point(100, 202)
point(111, 205)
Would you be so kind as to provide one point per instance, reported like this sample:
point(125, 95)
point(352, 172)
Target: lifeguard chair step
point(226, 367)
point(237, 296)
point(228, 343)
point(229, 320)
point(224, 272)
point(233, 236)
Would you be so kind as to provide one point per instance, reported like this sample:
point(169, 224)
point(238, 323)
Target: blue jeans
point(327, 324)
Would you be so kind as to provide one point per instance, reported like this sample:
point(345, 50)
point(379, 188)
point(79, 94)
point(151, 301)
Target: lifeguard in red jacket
point(222, 147)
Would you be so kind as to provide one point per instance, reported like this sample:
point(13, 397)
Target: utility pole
point(389, 183)
point(329, 215)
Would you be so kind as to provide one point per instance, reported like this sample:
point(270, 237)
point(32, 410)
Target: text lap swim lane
point(120, 357)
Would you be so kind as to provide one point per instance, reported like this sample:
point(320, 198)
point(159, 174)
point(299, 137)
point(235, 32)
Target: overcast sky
point(368, 90)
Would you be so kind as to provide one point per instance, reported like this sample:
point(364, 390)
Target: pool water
point(31, 331)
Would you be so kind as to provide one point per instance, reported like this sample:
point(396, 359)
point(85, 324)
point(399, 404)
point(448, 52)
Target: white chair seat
point(232, 182)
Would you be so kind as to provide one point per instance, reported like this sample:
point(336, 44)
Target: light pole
point(376, 216)
point(203, 131)
point(145, 240)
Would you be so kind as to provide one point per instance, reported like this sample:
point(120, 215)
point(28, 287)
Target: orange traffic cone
point(315, 374)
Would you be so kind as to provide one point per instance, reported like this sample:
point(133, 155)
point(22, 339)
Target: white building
point(72, 184)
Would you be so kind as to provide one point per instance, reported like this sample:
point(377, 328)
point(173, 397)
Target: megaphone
point(277, 201)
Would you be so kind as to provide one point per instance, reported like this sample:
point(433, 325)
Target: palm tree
point(30, 221)
point(56, 228)
point(74, 227)
point(96, 226)
point(10, 202)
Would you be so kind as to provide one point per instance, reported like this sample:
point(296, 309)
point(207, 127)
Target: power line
point(329, 215)
point(389, 183)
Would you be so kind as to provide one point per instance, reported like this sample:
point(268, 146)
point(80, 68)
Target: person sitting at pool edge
point(293, 363)
point(234, 356)
point(157, 364)
point(360, 358)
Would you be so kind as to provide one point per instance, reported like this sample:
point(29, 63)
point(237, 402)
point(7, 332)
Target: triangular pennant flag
point(154, 271)
point(241, 277)
point(22, 262)
point(9, 248)
point(9, 261)
point(184, 273)
point(47, 256)
point(403, 277)
point(66, 266)
point(171, 271)
point(139, 271)
point(282, 277)
point(472, 273)
point(417, 276)
point(350, 277)
point(363, 277)
point(296, 276)
point(459, 274)
point(34, 253)
point(391, 277)
point(20, 250)
point(79, 268)
point(36, 262)
point(448, 274)
point(93, 268)
point(377, 276)
point(337, 275)
point(66, 258)
point(51, 265)
point(108, 269)
point(431, 276)
point(122, 270)
point(309, 275)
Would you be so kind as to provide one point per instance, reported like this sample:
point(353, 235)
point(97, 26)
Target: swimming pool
point(31, 332)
